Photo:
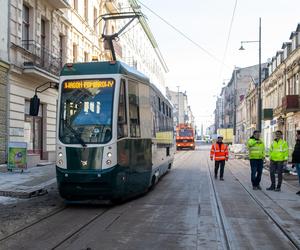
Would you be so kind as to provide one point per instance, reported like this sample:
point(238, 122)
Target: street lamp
point(258, 89)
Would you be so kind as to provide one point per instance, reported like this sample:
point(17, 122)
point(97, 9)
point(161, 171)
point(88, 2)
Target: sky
point(207, 23)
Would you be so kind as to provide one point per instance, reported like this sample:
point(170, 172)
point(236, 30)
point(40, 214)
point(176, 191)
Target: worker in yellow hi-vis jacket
point(279, 153)
point(256, 149)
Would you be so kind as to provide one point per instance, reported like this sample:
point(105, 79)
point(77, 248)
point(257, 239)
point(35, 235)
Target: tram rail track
point(182, 158)
point(264, 173)
point(59, 211)
point(45, 217)
point(82, 228)
point(225, 232)
point(295, 243)
point(220, 213)
point(49, 216)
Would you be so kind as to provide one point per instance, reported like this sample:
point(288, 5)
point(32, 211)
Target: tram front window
point(184, 132)
point(86, 111)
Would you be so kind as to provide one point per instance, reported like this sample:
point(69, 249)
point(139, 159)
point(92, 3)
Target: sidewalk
point(31, 182)
point(290, 179)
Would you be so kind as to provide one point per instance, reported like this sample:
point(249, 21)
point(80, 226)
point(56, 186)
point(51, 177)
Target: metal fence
point(40, 56)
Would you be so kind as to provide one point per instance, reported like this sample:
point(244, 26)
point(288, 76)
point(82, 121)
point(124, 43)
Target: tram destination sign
point(88, 84)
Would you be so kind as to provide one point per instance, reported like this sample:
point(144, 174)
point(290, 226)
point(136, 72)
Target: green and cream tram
point(114, 132)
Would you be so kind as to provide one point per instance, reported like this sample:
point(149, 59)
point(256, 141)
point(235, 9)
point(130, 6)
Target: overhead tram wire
point(228, 37)
point(184, 35)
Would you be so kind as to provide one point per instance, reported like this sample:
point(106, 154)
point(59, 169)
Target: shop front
point(38, 132)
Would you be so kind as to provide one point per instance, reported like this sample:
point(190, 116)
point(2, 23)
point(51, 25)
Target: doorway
point(33, 131)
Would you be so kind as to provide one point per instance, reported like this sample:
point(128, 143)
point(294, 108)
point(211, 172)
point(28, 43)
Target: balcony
point(290, 103)
point(38, 61)
point(60, 4)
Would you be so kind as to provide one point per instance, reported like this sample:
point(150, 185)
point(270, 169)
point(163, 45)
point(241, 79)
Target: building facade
point(43, 36)
point(281, 91)
point(251, 108)
point(232, 101)
point(280, 96)
point(4, 70)
point(219, 111)
point(139, 47)
point(182, 112)
point(37, 51)
point(241, 121)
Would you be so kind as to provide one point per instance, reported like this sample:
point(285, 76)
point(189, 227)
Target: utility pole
point(258, 88)
point(259, 101)
point(234, 105)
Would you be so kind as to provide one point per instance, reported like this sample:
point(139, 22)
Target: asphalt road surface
point(188, 209)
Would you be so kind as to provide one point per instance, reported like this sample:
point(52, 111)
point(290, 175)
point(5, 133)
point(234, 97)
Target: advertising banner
point(17, 155)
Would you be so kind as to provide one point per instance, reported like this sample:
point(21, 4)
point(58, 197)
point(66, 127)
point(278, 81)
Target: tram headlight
point(109, 154)
point(60, 162)
point(108, 162)
point(60, 154)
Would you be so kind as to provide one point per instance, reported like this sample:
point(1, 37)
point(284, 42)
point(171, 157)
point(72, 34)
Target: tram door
point(139, 147)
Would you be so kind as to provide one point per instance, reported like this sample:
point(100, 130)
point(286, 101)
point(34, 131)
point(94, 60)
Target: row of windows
point(164, 108)
point(29, 44)
point(274, 98)
point(292, 87)
point(85, 9)
point(27, 35)
point(162, 123)
point(86, 14)
point(162, 114)
point(161, 120)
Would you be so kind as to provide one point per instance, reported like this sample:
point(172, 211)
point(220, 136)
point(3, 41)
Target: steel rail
point(33, 223)
point(264, 173)
point(220, 211)
point(285, 233)
point(83, 227)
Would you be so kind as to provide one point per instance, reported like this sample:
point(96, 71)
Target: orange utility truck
point(185, 136)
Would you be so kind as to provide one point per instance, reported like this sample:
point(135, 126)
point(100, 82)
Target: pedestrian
point(279, 152)
point(296, 156)
point(219, 152)
point(256, 155)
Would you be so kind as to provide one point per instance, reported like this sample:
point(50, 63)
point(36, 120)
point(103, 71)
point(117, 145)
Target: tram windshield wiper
point(74, 132)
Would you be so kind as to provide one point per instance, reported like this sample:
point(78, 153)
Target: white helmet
point(220, 136)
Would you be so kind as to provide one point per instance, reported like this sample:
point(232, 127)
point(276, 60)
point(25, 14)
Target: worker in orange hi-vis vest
point(219, 152)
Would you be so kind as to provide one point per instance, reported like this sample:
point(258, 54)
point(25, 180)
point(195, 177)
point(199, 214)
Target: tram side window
point(153, 112)
point(167, 110)
point(159, 105)
point(134, 114)
point(122, 119)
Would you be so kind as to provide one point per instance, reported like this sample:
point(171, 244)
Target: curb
point(24, 192)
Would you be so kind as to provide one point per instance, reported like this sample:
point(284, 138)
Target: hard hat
point(220, 136)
